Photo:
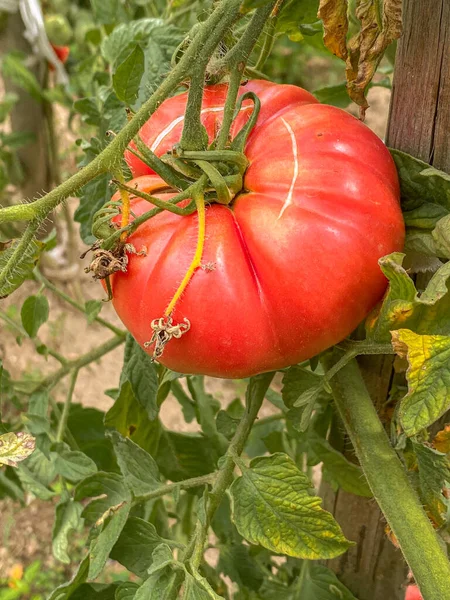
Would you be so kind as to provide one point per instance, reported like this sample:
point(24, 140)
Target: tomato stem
point(162, 204)
point(194, 135)
point(199, 199)
point(255, 394)
point(389, 481)
point(164, 170)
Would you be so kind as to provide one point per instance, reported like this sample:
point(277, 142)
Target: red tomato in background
point(294, 259)
point(413, 593)
point(62, 52)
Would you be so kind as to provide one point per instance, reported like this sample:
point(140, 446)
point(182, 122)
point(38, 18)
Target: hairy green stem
point(354, 349)
point(38, 275)
point(269, 37)
point(194, 135)
point(172, 487)
point(66, 408)
point(81, 361)
point(255, 395)
point(389, 482)
point(241, 51)
point(161, 168)
point(230, 105)
point(20, 251)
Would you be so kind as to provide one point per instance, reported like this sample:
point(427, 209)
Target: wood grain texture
point(419, 121)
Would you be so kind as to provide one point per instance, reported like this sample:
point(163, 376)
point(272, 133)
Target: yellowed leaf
point(335, 26)
point(428, 378)
point(15, 447)
point(442, 440)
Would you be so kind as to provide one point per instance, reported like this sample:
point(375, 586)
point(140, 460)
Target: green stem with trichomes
point(80, 362)
point(66, 408)
point(256, 391)
point(169, 488)
point(388, 481)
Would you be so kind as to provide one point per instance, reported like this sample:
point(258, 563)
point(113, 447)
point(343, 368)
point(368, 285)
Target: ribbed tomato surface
point(291, 267)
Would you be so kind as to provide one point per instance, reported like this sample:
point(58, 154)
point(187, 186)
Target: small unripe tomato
point(58, 29)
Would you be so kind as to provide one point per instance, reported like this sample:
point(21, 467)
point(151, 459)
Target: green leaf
point(301, 392)
point(6, 389)
point(163, 582)
point(425, 193)
point(198, 588)
point(299, 384)
point(421, 185)
point(23, 269)
point(139, 370)
point(92, 309)
point(182, 455)
point(64, 592)
point(131, 420)
point(95, 591)
point(16, 447)
point(13, 68)
point(102, 545)
point(92, 197)
point(38, 403)
point(135, 546)
point(206, 409)
point(318, 583)
point(34, 313)
point(237, 563)
point(109, 511)
point(86, 426)
point(128, 75)
point(404, 308)
point(272, 507)
point(138, 468)
point(105, 11)
point(338, 469)
point(336, 95)
point(7, 104)
point(18, 139)
point(434, 476)
point(126, 591)
point(73, 464)
point(295, 13)
point(89, 110)
point(10, 485)
point(187, 405)
point(67, 519)
point(428, 378)
point(109, 491)
point(31, 484)
point(36, 473)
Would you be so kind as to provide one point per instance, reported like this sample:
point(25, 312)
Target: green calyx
point(224, 166)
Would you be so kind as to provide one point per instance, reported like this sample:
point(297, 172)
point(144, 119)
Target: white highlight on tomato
point(171, 126)
point(290, 194)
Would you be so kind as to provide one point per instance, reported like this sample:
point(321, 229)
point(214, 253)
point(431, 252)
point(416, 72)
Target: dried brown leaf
point(335, 25)
point(381, 24)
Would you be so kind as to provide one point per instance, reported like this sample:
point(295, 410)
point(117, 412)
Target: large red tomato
point(413, 593)
point(292, 264)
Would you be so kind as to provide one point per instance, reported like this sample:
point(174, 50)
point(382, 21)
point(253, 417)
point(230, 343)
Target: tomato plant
point(242, 230)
